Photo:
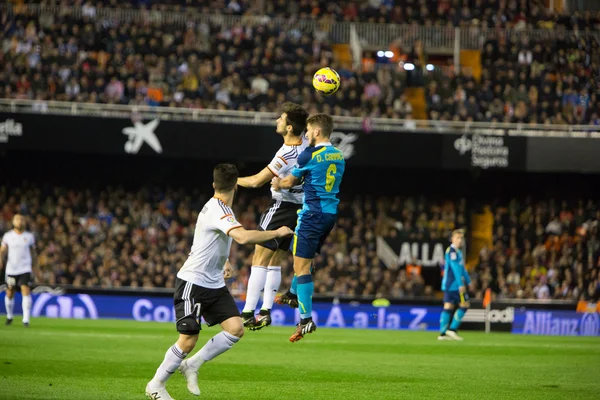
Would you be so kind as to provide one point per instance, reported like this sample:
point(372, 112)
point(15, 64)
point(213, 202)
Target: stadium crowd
point(105, 60)
point(543, 250)
point(119, 237)
point(493, 13)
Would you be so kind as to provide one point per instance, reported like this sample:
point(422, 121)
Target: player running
point(283, 211)
point(320, 168)
point(200, 286)
point(22, 256)
point(454, 284)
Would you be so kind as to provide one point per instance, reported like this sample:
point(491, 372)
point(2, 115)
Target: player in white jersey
point(22, 256)
point(200, 286)
point(265, 273)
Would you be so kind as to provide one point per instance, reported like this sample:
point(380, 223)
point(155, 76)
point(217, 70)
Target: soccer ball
point(326, 81)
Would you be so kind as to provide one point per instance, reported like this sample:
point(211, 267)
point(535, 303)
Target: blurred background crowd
point(140, 238)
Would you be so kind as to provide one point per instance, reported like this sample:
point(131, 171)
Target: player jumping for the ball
point(283, 211)
point(320, 167)
point(454, 284)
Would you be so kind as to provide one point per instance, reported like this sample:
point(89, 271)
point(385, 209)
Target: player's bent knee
point(187, 342)
point(233, 326)
point(448, 306)
point(25, 290)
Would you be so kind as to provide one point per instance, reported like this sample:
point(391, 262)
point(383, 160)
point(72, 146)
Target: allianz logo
point(506, 315)
point(80, 306)
point(546, 323)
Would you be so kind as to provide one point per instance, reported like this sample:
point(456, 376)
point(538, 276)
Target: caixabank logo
point(79, 306)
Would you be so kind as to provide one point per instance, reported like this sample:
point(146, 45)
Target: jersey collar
point(324, 144)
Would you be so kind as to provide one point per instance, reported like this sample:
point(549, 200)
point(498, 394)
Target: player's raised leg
point(272, 284)
point(256, 284)
point(458, 316)
point(291, 296)
point(233, 330)
point(306, 288)
point(186, 302)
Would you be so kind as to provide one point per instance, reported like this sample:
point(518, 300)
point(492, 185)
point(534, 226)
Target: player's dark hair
point(323, 121)
point(296, 116)
point(225, 177)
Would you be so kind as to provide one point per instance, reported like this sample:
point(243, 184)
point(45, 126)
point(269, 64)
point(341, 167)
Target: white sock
point(26, 308)
point(219, 344)
point(256, 283)
point(271, 287)
point(172, 361)
point(9, 304)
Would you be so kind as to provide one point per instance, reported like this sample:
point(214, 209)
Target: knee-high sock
point(306, 287)
point(26, 303)
point(271, 287)
point(458, 316)
point(256, 283)
point(219, 344)
point(445, 320)
point(294, 286)
point(172, 361)
point(9, 304)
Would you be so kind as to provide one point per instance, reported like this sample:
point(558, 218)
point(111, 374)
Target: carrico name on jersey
point(322, 168)
point(455, 273)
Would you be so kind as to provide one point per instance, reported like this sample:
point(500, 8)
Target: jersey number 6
point(330, 180)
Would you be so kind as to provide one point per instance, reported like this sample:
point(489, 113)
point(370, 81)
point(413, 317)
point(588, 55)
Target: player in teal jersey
point(320, 167)
point(454, 287)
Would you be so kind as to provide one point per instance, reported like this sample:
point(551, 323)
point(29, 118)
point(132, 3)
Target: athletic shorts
point(311, 232)
point(454, 297)
point(193, 302)
point(279, 213)
point(19, 280)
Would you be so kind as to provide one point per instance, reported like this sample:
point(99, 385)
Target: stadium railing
point(265, 118)
point(434, 38)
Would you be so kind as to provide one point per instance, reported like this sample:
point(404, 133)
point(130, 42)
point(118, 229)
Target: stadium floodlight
point(409, 66)
point(389, 54)
point(429, 67)
point(380, 53)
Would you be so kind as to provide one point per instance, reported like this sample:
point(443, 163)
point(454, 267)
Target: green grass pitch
point(110, 359)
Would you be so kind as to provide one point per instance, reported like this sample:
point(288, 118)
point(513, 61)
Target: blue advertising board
point(556, 323)
point(160, 309)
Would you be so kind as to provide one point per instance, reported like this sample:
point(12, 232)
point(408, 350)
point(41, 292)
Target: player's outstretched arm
point(286, 183)
point(257, 180)
point(243, 236)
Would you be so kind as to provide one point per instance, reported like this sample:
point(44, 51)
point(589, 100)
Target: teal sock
point(444, 321)
point(306, 287)
point(294, 287)
point(458, 316)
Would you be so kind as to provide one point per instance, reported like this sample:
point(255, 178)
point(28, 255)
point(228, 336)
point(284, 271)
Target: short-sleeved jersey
point(19, 252)
point(211, 246)
point(281, 166)
point(321, 168)
point(455, 273)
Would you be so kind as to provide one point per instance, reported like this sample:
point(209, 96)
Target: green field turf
point(109, 359)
